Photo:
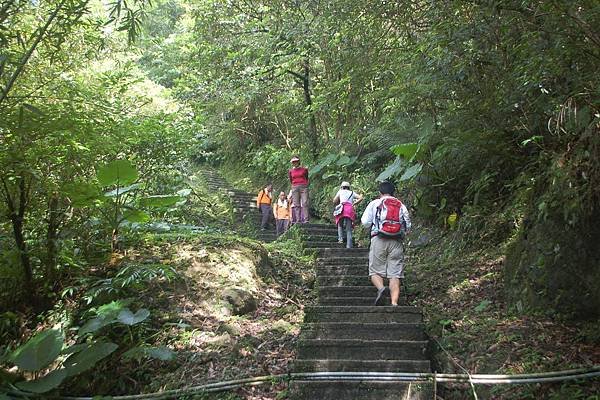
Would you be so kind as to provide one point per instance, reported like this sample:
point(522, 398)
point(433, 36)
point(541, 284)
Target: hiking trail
point(344, 331)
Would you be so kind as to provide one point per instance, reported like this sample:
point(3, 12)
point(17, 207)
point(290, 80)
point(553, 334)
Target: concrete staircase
point(244, 203)
point(346, 332)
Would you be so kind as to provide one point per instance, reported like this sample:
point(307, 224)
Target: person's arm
point(336, 199)
point(275, 209)
point(259, 198)
point(306, 175)
point(358, 198)
point(406, 217)
point(367, 218)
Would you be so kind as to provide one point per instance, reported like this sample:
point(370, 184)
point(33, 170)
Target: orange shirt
point(263, 197)
point(282, 209)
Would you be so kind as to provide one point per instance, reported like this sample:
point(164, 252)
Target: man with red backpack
point(389, 222)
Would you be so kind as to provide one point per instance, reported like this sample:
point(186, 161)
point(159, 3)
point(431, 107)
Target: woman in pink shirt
point(299, 179)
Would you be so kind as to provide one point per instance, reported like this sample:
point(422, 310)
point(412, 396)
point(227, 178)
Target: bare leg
point(395, 290)
point(377, 281)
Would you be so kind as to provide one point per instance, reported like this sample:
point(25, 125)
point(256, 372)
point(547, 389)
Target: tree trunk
point(114, 243)
point(312, 121)
point(21, 64)
point(52, 238)
point(17, 219)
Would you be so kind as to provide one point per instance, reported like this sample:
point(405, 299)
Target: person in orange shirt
point(263, 202)
point(282, 214)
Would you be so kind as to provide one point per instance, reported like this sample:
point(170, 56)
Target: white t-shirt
point(346, 195)
point(368, 217)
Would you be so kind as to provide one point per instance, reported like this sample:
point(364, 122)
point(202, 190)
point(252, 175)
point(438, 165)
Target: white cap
point(345, 184)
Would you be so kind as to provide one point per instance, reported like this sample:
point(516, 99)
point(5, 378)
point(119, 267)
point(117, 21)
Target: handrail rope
point(398, 377)
point(459, 366)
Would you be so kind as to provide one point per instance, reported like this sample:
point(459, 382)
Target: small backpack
point(388, 219)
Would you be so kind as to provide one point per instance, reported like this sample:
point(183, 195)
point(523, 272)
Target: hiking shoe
point(380, 295)
point(340, 241)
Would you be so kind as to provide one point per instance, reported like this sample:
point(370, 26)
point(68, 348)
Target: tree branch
point(27, 55)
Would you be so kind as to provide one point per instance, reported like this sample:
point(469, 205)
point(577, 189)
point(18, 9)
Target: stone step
point(324, 365)
point(317, 225)
point(241, 202)
point(356, 269)
point(241, 196)
point(343, 349)
point(344, 280)
point(322, 244)
point(337, 252)
point(332, 230)
point(355, 301)
point(214, 179)
point(363, 314)
point(360, 390)
point(267, 237)
point(216, 185)
point(363, 331)
point(362, 259)
point(347, 291)
point(246, 210)
point(321, 238)
point(238, 192)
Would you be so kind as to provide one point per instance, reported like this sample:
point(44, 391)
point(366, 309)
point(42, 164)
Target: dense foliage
point(484, 112)
point(494, 106)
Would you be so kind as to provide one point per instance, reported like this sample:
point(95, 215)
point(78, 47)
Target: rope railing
point(399, 377)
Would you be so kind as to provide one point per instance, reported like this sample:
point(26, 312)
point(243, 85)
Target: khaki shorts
point(386, 258)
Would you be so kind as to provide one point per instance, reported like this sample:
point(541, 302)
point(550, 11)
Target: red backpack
point(388, 219)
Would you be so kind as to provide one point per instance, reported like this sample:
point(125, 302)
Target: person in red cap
point(299, 179)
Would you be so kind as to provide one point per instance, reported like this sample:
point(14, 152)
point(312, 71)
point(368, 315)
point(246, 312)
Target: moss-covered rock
point(241, 301)
point(553, 267)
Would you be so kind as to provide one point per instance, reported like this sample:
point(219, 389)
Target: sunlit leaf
point(452, 220)
point(406, 150)
point(81, 194)
point(118, 172)
point(136, 216)
point(391, 170)
point(323, 163)
point(345, 160)
point(411, 172)
point(121, 190)
point(160, 201)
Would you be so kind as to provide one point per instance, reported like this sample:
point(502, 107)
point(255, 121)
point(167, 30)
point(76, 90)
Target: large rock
point(551, 266)
point(241, 301)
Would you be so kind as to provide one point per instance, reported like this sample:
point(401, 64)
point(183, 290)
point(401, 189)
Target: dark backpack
point(388, 219)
